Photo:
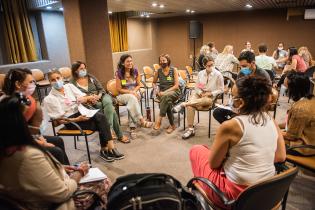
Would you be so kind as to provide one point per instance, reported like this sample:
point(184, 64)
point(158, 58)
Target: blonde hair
point(302, 48)
point(204, 50)
point(227, 49)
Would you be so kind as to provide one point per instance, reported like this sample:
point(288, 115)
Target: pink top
point(300, 65)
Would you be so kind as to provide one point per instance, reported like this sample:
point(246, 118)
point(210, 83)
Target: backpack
point(150, 191)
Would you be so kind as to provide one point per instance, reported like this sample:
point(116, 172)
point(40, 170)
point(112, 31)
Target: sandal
point(147, 124)
point(170, 129)
point(124, 139)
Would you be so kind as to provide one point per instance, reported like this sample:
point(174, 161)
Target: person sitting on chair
point(209, 84)
point(89, 85)
point(62, 105)
point(21, 81)
point(248, 67)
point(300, 126)
point(245, 148)
point(168, 91)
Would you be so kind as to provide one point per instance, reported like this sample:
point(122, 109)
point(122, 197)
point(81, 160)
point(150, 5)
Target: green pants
point(106, 104)
point(166, 104)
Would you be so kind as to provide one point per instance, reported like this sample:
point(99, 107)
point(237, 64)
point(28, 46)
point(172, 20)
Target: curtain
point(118, 31)
point(18, 35)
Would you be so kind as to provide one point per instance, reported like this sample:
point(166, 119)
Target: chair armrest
point(73, 123)
point(213, 187)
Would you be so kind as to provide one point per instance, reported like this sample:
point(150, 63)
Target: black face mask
point(163, 65)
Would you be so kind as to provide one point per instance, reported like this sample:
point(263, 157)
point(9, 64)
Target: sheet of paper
point(95, 174)
point(87, 112)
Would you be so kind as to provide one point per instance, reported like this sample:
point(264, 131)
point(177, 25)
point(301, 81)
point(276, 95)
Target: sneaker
point(106, 156)
point(189, 133)
point(177, 108)
point(116, 154)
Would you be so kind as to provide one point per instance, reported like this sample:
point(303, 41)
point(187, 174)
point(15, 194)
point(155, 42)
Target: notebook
point(95, 174)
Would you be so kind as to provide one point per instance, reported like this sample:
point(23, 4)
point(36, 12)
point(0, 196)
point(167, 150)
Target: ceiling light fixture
point(192, 11)
point(142, 15)
point(248, 6)
point(162, 6)
point(110, 12)
point(187, 10)
point(61, 9)
point(148, 16)
point(49, 7)
point(154, 4)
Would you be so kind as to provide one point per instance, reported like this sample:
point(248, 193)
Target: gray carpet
point(168, 153)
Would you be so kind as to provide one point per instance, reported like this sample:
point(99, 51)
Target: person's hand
point(84, 166)
point(161, 93)
point(207, 94)
point(69, 169)
point(41, 141)
point(82, 118)
point(48, 145)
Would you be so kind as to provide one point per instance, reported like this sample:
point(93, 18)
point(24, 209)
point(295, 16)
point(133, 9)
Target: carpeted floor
point(168, 153)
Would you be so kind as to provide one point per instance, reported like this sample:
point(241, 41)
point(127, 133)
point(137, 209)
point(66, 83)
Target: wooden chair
point(75, 133)
point(190, 73)
point(41, 82)
point(66, 73)
point(112, 90)
point(184, 76)
point(307, 162)
point(266, 194)
point(156, 66)
point(2, 76)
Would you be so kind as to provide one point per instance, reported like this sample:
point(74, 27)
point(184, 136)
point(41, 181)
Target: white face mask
point(30, 89)
point(280, 48)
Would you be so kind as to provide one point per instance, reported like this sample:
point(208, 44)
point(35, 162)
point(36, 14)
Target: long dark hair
point(12, 118)
point(13, 76)
point(292, 51)
point(255, 91)
point(74, 67)
point(298, 86)
point(121, 67)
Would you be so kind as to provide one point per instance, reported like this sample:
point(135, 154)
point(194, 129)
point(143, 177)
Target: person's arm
point(274, 54)
point(280, 154)
point(138, 82)
point(228, 134)
point(53, 107)
point(38, 177)
point(293, 63)
point(98, 86)
point(219, 86)
point(176, 83)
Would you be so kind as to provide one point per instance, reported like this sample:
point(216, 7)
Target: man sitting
point(209, 84)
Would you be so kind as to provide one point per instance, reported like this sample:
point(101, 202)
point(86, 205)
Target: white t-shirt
point(265, 62)
point(59, 105)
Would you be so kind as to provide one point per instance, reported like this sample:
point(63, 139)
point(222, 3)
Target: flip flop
point(124, 139)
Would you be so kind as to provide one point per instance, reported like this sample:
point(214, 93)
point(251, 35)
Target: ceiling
point(179, 7)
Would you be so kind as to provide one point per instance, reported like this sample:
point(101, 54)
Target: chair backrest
point(38, 74)
point(266, 194)
point(156, 66)
point(148, 72)
point(65, 72)
point(111, 87)
point(2, 76)
point(183, 74)
point(189, 70)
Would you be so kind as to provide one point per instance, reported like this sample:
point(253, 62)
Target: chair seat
point(191, 85)
point(43, 83)
point(307, 162)
point(65, 132)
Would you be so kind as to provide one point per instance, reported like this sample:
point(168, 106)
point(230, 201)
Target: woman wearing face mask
point(128, 85)
point(209, 84)
point(168, 91)
point(89, 85)
point(281, 56)
point(21, 81)
point(62, 105)
point(245, 148)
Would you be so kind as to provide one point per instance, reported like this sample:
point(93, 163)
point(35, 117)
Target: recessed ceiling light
point(49, 7)
point(154, 4)
point(192, 11)
point(248, 6)
point(61, 9)
point(162, 6)
point(187, 10)
point(110, 12)
point(148, 16)
point(142, 15)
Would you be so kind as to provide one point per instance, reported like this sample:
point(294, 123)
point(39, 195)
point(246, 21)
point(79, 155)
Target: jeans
point(58, 151)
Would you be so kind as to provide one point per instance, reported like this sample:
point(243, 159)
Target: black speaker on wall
point(195, 29)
